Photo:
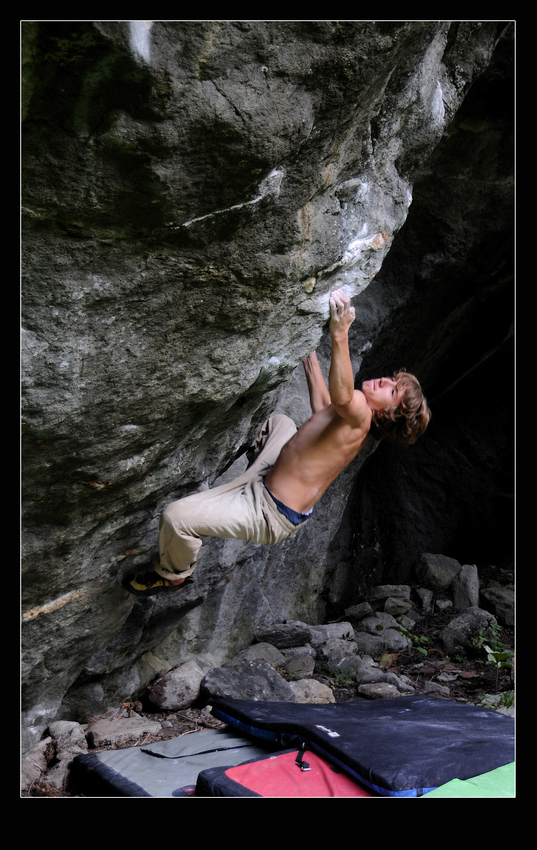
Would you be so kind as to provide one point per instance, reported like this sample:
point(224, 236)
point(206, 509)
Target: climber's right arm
point(319, 395)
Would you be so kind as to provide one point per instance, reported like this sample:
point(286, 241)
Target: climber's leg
point(232, 510)
point(241, 509)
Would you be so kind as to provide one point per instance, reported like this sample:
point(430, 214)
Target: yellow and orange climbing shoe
point(149, 583)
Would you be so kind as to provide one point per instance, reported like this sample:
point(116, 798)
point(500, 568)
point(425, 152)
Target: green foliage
point(338, 678)
point(419, 643)
point(495, 701)
point(342, 679)
point(491, 634)
point(499, 659)
point(496, 654)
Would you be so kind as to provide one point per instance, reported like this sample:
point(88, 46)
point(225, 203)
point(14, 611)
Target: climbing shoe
point(149, 583)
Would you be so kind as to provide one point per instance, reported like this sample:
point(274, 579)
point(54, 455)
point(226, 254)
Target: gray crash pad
point(164, 769)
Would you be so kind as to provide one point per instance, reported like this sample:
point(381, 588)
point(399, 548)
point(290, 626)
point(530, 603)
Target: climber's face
point(381, 393)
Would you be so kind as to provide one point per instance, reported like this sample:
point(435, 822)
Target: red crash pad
point(287, 774)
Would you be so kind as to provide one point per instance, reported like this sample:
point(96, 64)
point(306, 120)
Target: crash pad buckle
point(303, 765)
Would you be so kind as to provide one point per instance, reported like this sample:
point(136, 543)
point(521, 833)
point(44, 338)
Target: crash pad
point(163, 769)
point(400, 747)
point(495, 783)
point(292, 773)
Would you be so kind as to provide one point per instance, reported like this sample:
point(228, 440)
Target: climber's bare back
point(317, 453)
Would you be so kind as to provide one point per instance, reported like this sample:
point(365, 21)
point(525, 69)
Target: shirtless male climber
point(289, 469)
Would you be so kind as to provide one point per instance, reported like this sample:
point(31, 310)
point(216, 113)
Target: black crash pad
point(404, 746)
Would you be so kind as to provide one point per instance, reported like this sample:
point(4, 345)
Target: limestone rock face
point(192, 192)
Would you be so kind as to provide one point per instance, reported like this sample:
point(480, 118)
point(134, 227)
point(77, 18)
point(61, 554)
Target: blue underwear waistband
point(293, 516)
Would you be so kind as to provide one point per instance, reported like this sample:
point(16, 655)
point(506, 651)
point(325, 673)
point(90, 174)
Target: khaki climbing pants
point(242, 509)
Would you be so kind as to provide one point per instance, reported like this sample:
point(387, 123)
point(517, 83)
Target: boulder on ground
point(255, 680)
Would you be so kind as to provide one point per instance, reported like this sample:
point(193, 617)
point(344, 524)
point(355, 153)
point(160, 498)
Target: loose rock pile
point(299, 662)
point(280, 663)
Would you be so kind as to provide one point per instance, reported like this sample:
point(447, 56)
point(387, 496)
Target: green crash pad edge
point(496, 783)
